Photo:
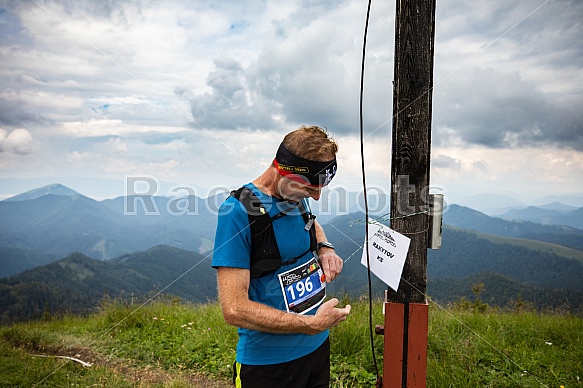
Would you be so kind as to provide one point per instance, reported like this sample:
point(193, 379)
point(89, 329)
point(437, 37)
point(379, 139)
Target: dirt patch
point(141, 376)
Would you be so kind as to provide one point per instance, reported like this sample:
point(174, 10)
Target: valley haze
point(102, 189)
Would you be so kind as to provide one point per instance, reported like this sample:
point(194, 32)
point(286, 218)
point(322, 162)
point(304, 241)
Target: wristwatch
point(325, 244)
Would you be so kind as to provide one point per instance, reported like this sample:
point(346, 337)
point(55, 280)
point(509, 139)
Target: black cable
point(379, 380)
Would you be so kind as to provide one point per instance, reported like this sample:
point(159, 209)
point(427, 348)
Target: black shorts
point(309, 371)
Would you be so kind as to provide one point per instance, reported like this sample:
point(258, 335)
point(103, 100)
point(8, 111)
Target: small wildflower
point(190, 323)
point(549, 343)
point(189, 328)
point(183, 326)
point(209, 329)
point(155, 318)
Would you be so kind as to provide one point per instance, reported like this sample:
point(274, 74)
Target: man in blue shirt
point(279, 308)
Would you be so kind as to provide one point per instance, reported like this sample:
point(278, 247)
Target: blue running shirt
point(232, 249)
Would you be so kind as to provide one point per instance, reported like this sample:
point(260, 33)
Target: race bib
point(303, 287)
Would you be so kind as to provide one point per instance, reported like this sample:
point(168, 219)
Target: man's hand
point(329, 316)
point(331, 263)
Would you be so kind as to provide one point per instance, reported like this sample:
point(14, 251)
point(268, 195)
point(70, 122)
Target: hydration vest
point(265, 255)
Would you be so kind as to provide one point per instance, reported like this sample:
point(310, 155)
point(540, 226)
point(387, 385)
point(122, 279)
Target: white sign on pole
point(387, 252)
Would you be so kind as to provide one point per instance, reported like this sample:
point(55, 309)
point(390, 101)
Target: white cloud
point(103, 128)
point(77, 157)
point(526, 171)
point(52, 104)
point(117, 145)
point(18, 141)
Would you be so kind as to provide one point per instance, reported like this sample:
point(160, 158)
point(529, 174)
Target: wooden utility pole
point(406, 310)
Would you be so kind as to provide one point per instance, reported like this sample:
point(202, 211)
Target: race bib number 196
point(303, 287)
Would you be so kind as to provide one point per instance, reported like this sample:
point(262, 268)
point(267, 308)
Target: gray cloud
point(551, 35)
point(300, 77)
point(444, 161)
point(510, 74)
point(14, 112)
point(565, 122)
point(309, 73)
point(497, 110)
point(114, 10)
point(232, 102)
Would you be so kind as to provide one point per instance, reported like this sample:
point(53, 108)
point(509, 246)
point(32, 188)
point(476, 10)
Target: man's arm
point(239, 311)
point(331, 263)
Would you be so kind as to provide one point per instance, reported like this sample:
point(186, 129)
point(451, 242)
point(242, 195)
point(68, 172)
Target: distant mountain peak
point(54, 189)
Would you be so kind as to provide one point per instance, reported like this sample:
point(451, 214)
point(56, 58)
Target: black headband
point(311, 172)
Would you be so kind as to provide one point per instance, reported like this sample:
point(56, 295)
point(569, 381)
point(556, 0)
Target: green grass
point(497, 349)
point(169, 344)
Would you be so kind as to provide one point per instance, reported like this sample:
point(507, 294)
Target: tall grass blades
point(166, 343)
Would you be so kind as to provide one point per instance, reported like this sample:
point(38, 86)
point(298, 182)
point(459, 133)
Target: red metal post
point(415, 351)
point(393, 346)
point(417, 345)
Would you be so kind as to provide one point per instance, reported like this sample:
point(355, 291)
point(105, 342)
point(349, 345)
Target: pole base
point(413, 352)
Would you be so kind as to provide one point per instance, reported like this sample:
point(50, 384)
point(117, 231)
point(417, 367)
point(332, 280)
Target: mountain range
point(61, 251)
point(60, 221)
point(556, 214)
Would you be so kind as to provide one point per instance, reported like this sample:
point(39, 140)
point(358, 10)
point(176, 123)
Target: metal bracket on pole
point(435, 221)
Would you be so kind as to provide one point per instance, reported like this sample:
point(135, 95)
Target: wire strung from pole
point(387, 217)
point(378, 378)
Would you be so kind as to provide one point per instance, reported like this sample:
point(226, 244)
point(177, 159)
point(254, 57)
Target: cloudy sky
point(200, 93)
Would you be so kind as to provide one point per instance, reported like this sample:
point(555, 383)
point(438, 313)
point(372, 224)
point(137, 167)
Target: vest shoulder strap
point(265, 255)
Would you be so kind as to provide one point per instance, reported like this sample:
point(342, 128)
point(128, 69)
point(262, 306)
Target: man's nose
point(315, 195)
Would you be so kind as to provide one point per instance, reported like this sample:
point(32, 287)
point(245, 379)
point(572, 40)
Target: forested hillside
point(463, 253)
point(78, 284)
point(507, 273)
point(467, 218)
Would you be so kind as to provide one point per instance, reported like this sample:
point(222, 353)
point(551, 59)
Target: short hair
point(312, 143)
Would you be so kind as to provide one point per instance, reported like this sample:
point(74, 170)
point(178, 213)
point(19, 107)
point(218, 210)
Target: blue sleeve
point(233, 238)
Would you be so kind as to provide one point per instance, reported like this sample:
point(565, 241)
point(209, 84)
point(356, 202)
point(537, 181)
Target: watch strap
point(325, 244)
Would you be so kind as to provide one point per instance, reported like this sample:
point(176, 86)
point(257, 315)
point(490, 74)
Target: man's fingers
point(332, 268)
point(347, 308)
point(333, 302)
point(326, 269)
point(331, 265)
